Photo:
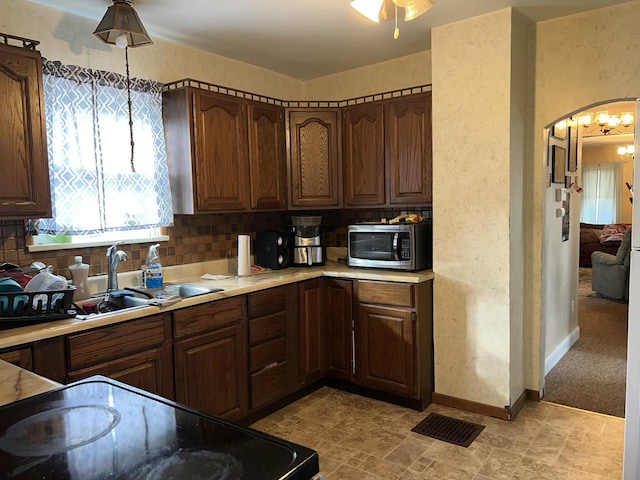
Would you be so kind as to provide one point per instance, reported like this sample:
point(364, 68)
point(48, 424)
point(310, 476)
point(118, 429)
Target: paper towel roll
point(244, 254)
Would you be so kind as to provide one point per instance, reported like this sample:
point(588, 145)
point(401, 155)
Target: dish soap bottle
point(152, 271)
point(80, 273)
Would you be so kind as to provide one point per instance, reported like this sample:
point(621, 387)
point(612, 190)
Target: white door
point(632, 410)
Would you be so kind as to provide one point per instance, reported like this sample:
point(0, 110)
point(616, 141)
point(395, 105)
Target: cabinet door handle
point(395, 246)
point(271, 365)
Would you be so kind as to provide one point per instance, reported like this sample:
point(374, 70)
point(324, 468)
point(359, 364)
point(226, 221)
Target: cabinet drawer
point(264, 328)
point(22, 357)
point(208, 316)
point(266, 302)
point(117, 340)
point(386, 293)
point(268, 385)
point(262, 355)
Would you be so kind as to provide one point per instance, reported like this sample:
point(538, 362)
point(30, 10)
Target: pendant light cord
point(126, 56)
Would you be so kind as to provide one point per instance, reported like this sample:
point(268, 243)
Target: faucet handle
point(111, 250)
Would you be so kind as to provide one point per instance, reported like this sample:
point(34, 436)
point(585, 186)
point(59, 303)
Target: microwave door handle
point(395, 246)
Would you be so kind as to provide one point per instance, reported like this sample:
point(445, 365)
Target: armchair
point(610, 275)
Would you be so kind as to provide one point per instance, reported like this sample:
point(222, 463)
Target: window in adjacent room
point(601, 193)
point(96, 195)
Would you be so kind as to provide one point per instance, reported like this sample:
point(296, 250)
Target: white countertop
point(192, 273)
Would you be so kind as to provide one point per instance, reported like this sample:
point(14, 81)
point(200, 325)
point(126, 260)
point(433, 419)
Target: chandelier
point(375, 10)
point(606, 123)
point(122, 27)
point(627, 152)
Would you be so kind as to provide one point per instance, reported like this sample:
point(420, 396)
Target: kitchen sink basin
point(182, 290)
point(187, 290)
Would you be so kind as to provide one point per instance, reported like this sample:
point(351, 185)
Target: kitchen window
point(96, 193)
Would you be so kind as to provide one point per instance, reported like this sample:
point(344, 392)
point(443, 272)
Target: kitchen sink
point(187, 290)
point(143, 297)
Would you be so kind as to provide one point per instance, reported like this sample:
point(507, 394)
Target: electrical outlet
point(573, 306)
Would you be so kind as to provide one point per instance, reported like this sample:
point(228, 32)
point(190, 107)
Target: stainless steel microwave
point(398, 246)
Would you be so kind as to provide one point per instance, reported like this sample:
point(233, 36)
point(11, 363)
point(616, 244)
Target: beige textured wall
point(471, 208)
point(69, 38)
point(581, 60)
point(403, 72)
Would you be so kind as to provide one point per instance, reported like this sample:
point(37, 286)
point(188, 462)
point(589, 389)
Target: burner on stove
point(194, 465)
point(58, 430)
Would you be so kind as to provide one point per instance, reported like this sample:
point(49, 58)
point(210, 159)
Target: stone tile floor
point(359, 438)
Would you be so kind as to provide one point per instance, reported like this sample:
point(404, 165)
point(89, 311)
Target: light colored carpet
point(592, 375)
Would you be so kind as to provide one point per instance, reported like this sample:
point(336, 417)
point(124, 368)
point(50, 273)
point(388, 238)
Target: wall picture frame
point(558, 163)
point(572, 158)
point(559, 131)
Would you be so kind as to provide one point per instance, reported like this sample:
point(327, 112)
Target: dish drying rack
point(18, 308)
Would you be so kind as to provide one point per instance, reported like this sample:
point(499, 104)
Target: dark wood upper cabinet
point(364, 172)
point(25, 191)
point(315, 158)
point(266, 157)
point(221, 152)
point(409, 150)
point(207, 150)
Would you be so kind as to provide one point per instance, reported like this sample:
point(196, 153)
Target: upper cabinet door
point(314, 151)
point(409, 160)
point(221, 152)
point(25, 191)
point(364, 174)
point(266, 157)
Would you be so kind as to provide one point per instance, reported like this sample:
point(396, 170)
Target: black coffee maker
point(307, 241)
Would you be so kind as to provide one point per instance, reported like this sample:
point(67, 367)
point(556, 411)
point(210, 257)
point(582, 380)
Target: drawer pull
point(271, 365)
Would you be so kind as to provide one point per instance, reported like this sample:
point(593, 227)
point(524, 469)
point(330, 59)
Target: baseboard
point(469, 406)
point(560, 350)
point(533, 395)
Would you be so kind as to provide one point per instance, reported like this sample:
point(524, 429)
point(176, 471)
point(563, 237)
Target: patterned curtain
point(94, 189)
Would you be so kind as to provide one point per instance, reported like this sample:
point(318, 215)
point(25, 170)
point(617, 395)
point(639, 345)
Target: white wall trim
point(560, 350)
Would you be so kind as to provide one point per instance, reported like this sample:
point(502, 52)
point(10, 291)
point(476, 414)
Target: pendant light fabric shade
point(377, 9)
point(415, 8)
point(121, 19)
point(368, 8)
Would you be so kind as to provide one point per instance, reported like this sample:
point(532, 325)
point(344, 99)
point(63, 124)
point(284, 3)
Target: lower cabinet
point(210, 358)
point(394, 338)
point(22, 357)
point(339, 328)
point(385, 349)
point(137, 352)
point(312, 339)
point(272, 361)
point(151, 370)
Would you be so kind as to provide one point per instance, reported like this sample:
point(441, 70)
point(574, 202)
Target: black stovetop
point(102, 429)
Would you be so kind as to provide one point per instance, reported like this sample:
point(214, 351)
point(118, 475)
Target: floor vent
point(449, 429)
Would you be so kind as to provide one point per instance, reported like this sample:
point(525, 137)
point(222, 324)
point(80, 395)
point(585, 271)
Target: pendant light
point(376, 9)
point(120, 23)
point(122, 27)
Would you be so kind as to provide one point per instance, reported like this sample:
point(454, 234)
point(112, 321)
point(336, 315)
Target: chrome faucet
point(114, 257)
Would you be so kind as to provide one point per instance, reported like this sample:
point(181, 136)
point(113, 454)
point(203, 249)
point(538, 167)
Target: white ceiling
point(308, 38)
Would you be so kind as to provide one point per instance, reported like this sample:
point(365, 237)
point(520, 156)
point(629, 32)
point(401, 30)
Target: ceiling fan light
point(120, 19)
point(415, 8)
point(368, 8)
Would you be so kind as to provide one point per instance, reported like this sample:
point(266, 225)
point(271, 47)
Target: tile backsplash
point(193, 238)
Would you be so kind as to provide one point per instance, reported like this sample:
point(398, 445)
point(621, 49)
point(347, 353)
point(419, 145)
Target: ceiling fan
point(377, 9)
